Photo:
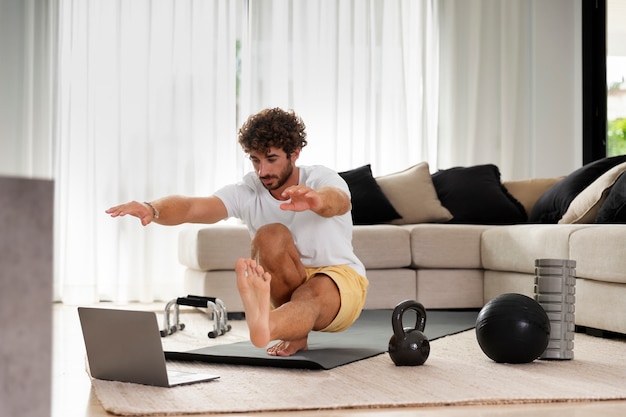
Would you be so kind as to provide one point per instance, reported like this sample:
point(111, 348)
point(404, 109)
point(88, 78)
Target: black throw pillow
point(553, 204)
point(369, 203)
point(613, 210)
point(475, 195)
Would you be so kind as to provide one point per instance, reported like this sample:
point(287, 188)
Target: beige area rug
point(456, 373)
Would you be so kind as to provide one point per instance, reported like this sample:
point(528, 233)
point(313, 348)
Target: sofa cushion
point(613, 210)
point(475, 195)
point(221, 284)
point(528, 191)
point(382, 246)
point(553, 204)
point(446, 245)
point(590, 294)
point(501, 282)
point(595, 259)
point(388, 287)
point(450, 288)
point(217, 247)
point(413, 195)
point(369, 203)
point(515, 248)
point(586, 205)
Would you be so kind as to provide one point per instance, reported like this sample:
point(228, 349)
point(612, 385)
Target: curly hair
point(273, 128)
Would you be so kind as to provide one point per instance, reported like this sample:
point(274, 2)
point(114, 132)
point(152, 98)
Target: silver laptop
point(125, 345)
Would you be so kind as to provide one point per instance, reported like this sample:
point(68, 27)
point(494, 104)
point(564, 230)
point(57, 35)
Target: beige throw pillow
point(413, 195)
point(529, 190)
point(585, 206)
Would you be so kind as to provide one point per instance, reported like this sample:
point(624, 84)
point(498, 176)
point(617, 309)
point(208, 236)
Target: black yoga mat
point(367, 337)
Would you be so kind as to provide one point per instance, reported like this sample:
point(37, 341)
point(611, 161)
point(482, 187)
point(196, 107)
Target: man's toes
point(241, 266)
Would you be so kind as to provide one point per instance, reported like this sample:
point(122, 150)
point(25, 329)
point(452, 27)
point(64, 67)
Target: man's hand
point(140, 210)
point(327, 201)
point(301, 198)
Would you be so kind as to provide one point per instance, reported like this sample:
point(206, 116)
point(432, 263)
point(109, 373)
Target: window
point(616, 77)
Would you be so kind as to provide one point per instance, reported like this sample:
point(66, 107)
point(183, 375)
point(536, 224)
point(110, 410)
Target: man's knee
point(273, 241)
point(272, 235)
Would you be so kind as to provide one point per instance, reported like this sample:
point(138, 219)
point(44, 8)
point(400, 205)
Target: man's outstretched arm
point(173, 210)
point(326, 201)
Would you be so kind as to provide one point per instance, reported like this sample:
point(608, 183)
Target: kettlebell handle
point(398, 312)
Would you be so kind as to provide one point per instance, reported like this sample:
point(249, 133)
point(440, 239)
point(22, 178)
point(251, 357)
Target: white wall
point(556, 107)
point(26, 296)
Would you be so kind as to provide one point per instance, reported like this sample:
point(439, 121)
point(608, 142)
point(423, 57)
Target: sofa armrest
point(215, 247)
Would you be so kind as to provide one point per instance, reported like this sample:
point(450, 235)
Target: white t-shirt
point(322, 241)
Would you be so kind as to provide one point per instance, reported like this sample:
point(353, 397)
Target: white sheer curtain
point(28, 46)
point(147, 108)
point(485, 84)
point(362, 74)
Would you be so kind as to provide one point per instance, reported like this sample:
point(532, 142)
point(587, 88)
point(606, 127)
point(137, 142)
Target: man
point(303, 274)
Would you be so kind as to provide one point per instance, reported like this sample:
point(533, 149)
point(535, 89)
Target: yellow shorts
point(352, 291)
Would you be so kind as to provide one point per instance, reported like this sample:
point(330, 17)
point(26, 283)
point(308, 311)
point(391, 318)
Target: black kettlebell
point(409, 346)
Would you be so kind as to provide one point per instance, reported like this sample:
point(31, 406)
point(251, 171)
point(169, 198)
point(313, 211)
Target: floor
point(72, 395)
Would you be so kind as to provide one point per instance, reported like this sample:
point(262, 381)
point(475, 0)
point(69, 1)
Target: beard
point(280, 179)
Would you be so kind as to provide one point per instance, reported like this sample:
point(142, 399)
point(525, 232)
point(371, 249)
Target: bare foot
point(254, 288)
point(288, 347)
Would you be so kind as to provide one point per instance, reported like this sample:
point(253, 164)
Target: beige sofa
point(448, 266)
point(444, 266)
